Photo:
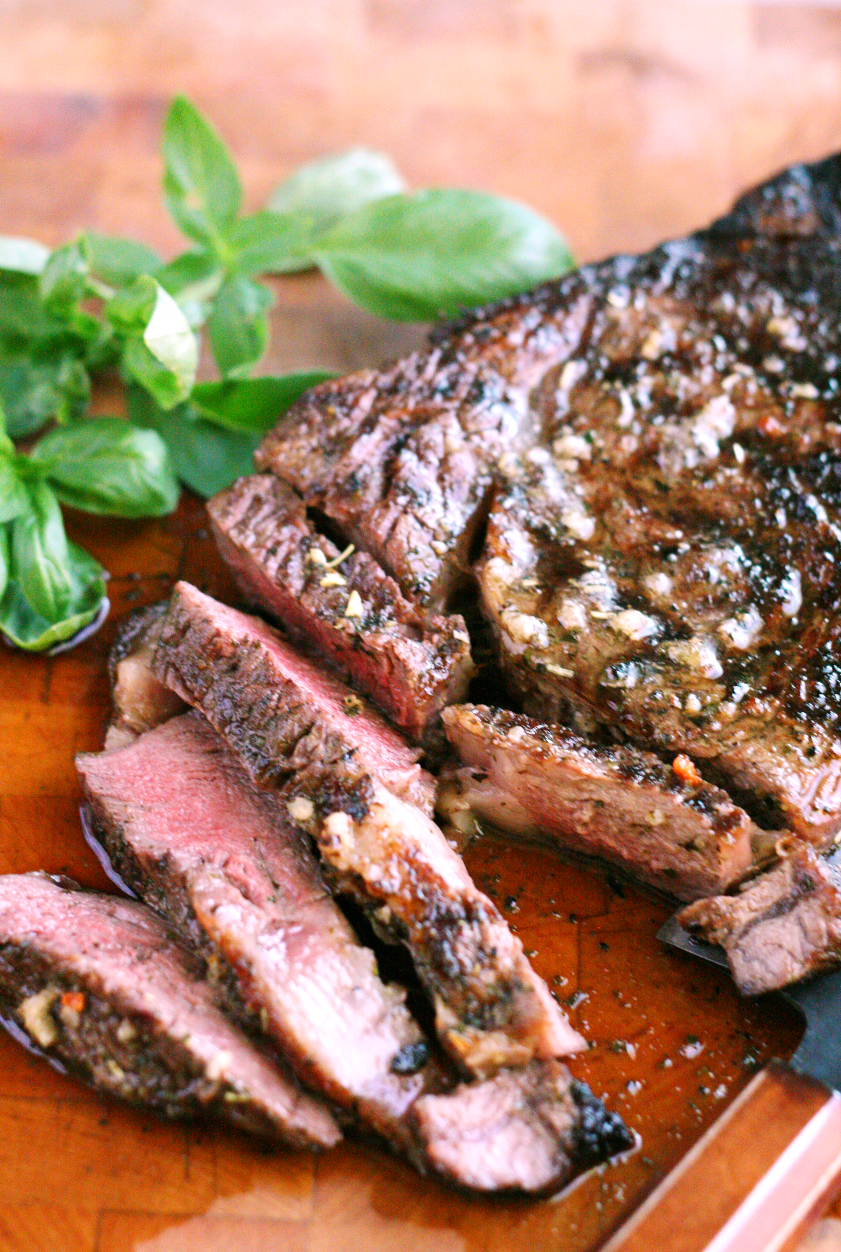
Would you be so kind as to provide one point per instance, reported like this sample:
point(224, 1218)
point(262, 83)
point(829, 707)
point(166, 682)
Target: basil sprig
point(100, 302)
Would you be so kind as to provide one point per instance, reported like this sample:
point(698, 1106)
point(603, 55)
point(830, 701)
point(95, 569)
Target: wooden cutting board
point(624, 122)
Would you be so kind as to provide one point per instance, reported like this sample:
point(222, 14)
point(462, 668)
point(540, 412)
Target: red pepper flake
point(686, 771)
point(770, 427)
point(73, 1000)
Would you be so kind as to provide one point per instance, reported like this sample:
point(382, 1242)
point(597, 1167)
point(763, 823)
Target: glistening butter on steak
point(103, 986)
point(656, 440)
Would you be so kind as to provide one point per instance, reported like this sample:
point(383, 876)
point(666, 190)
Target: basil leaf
point(276, 242)
point(237, 326)
point(252, 404)
point(106, 465)
point(162, 352)
point(117, 261)
point(22, 313)
point(204, 457)
point(26, 256)
point(415, 257)
point(5, 559)
point(63, 282)
point(14, 499)
point(33, 391)
point(202, 189)
point(40, 554)
point(334, 186)
point(87, 604)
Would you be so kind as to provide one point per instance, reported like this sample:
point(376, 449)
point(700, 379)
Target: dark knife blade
point(818, 1000)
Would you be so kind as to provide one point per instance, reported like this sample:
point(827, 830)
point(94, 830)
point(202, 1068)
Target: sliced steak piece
point(663, 436)
point(542, 782)
point(234, 666)
point(409, 662)
point(527, 1129)
point(140, 701)
point(101, 985)
point(191, 834)
point(783, 926)
point(491, 1009)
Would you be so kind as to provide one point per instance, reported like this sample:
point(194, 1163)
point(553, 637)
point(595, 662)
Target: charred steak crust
point(783, 926)
point(656, 442)
point(102, 986)
point(547, 783)
point(491, 1009)
point(530, 1129)
point(409, 662)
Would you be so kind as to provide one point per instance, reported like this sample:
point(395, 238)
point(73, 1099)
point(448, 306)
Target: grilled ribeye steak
point(254, 688)
point(547, 783)
point(101, 985)
point(661, 434)
point(491, 1008)
point(408, 661)
point(220, 859)
point(783, 926)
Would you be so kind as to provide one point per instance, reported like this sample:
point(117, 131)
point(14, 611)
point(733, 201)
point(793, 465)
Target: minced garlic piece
point(354, 605)
point(301, 809)
point(316, 557)
point(36, 1017)
point(333, 579)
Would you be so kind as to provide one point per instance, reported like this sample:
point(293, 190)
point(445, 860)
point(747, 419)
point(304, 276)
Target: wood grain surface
point(623, 122)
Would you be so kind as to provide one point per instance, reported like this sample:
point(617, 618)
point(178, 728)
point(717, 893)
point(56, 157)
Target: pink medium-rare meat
point(101, 984)
point(654, 441)
point(188, 830)
point(783, 926)
point(491, 1009)
point(410, 663)
point(221, 860)
point(546, 783)
point(206, 650)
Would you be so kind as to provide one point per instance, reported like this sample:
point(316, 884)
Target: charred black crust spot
point(410, 1058)
point(600, 1134)
point(337, 795)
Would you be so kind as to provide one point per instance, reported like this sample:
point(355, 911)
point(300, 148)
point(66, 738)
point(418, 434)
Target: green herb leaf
point(106, 465)
point(333, 186)
point(40, 555)
point(33, 389)
point(206, 458)
point(201, 186)
point(162, 352)
point(237, 325)
point(87, 602)
point(63, 282)
point(14, 499)
point(193, 278)
point(117, 261)
point(252, 405)
point(22, 313)
point(415, 257)
point(5, 559)
point(265, 242)
point(26, 256)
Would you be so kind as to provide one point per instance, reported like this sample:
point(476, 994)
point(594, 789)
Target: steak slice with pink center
point(491, 1008)
point(187, 829)
point(101, 985)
